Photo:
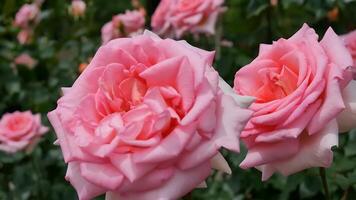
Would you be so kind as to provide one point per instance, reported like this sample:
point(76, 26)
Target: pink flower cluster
point(174, 18)
point(124, 25)
point(25, 19)
point(151, 114)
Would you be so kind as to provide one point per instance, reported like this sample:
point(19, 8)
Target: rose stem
point(324, 182)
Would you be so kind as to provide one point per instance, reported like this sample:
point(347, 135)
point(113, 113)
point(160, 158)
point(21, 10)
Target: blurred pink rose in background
point(129, 24)
point(109, 32)
point(24, 36)
point(274, 2)
point(146, 119)
point(25, 59)
point(299, 85)
point(20, 130)
point(350, 42)
point(77, 8)
point(27, 14)
point(173, 18)
point(132, 21)
point(26, 19)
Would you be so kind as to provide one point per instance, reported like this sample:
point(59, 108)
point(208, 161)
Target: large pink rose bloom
point(146, 119)
point(123, 25)
point(298, 84)
point(176, 17)
point(20, 130)
point(27, 14)
point(350, 42)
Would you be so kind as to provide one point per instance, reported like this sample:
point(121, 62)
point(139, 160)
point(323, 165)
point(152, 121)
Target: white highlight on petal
point(202, 185)
point(218, 162)
point(152, 35)
point(243, 101)
point(56, 143)
point(65, 90)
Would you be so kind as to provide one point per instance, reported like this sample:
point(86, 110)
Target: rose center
point(132, 91)
point(17, 124)
point(276, 84)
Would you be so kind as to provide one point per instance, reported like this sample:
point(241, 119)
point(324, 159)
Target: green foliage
point(61, 43)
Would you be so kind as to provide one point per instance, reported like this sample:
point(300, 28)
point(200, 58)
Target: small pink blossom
point(25, 59)
point(77, 8)
point(24, 36)
point(27, 14)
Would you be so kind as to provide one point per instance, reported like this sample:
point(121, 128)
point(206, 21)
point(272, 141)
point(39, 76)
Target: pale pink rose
point(123, 25)
point(146, 119)
point(20, 130)
point(106, 32)
point(24, 36)
point(348, 116)
point(176, 17)
point(274, 2)
point(25, 59)
point(27, 14)
point(132, 21)
point(350, 42)
point(77, 8)
point(109, 31)
point(298, 84)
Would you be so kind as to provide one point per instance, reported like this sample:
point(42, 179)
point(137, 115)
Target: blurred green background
point(61, 43)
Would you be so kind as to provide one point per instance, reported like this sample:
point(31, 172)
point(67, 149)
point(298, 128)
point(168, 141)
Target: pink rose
point(132, 21)
point(25, 59)
point(27, 14)
point(298, 84)
point(24, 36)
point(350, 42)
point(77, 8)
point(123, 25)
point(109, 32)
point(146, 119)
point(20, 130)
point(176, 17)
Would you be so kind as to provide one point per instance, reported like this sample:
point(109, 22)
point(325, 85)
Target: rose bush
point(145, 120)
point(298, 84)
